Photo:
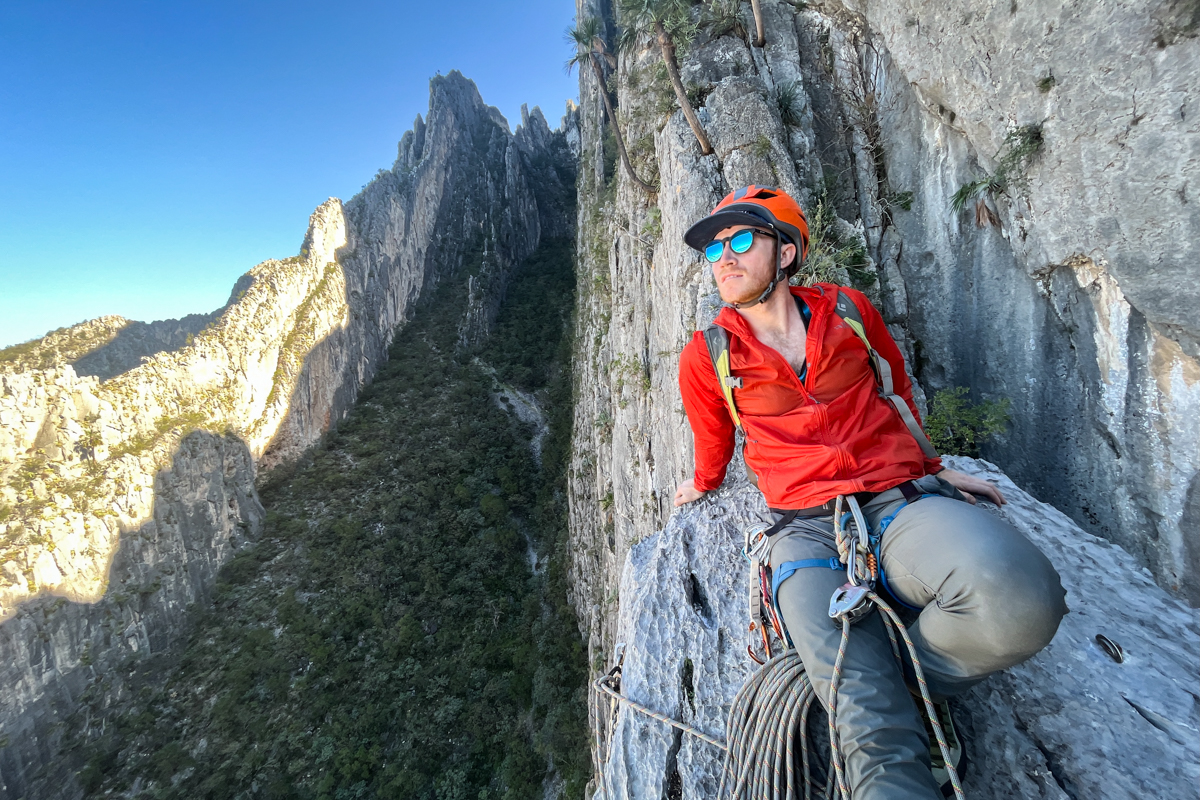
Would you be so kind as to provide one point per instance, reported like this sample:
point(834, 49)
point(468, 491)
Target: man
point(816, 427)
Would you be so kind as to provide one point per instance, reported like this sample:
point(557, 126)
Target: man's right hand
point(687, 493)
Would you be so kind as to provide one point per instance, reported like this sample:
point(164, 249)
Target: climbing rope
point(768, 714)
point(768, 721)
point(605, 685)
point(771, 710)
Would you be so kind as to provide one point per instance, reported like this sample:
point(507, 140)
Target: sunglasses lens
point(713, 251)
point(740, 242)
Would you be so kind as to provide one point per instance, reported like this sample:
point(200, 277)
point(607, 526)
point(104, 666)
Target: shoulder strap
point(717, 340)
point(883, 372)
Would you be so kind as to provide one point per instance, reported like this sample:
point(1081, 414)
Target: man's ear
point(788, 253)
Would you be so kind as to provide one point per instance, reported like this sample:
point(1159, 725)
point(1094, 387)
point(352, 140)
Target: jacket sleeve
point(881, 339)
point(712, 427)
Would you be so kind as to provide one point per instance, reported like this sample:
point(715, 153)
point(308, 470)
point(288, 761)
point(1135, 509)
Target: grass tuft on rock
point(1016, 152)
point(835, 254)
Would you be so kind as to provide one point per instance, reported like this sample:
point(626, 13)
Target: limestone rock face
point(849, 107)
point(84, 449)
point(1059, 285)
point(1070, 722)
point(205, 508)
point(1082, 305)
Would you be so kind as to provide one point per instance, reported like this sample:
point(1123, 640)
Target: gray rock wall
point(56, 651)
point(1081, 305)
point(1069, 723)
point(1074, 299)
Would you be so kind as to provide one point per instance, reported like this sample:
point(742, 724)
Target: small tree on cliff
point(590, 48)
point(760, 35)
point(665, 20)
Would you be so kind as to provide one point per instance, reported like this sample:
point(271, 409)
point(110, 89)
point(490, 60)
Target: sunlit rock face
point(1069, 723)
point(55, 650)
point(1075, 299)
point(95, 419)
point(1069, 287)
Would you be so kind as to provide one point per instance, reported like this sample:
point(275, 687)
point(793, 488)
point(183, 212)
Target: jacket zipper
point(820, 319)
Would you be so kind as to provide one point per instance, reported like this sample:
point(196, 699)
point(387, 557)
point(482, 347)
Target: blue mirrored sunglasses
point(739, 243)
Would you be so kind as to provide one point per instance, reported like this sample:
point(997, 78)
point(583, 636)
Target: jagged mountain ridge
point(105, 508)
point(1047, 307)
point(400, 629)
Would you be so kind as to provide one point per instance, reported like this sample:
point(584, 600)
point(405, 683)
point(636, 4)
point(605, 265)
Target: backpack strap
point(883, 373)
point(717, 340)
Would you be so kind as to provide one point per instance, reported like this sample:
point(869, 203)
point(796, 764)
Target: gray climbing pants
point(989, 599)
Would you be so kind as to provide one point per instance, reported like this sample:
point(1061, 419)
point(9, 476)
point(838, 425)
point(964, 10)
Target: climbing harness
point(762, 615)
point(769, 715)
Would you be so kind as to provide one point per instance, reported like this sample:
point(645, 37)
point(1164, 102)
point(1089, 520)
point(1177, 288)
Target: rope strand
point(772, 707)
point(769, 713)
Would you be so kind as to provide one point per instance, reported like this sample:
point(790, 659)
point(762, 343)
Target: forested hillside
point(401, 628)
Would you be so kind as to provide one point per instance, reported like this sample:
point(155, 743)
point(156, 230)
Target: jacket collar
point(815, 297)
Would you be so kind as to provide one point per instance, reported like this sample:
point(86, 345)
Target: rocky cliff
point(1024, 212)
point(1069, 723)
point(128, 452)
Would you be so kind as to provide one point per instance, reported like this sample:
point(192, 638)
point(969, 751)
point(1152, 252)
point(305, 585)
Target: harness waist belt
point(909, 489)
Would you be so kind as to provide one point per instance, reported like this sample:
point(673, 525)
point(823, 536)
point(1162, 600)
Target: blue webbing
point(788, 568)
point(883, 525)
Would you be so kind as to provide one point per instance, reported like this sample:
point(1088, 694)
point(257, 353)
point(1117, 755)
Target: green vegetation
point(1046, 84)
point(670, 25)
point(652, 226)
point(609, 152)
point(652, 83)
point(590, 47)
point(789, 101)
point(901, 200)
point(832, 256)
point(956, 426)
point(1018, 149)
point(387, 637)
point(761, 147)
point(722, 18)
point(629, 370)
point(61, 346)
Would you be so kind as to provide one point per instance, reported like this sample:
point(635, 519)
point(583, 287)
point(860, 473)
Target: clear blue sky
point(151, 152)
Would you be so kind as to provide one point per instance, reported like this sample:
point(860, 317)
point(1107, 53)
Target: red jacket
point(809, 442)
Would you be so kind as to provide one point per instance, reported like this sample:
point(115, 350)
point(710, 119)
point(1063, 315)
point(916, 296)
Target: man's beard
point(747, 294)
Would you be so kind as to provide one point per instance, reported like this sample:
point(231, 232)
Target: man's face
point(742, 277)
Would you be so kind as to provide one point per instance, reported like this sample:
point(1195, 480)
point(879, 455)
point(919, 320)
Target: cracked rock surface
point(1069, 723)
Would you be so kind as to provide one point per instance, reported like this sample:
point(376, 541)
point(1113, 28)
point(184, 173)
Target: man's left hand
point(970, 486)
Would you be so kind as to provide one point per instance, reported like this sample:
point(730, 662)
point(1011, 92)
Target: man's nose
point(728, 257)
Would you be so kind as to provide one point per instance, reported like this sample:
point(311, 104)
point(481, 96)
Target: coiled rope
point(767, 723)
point(771, 710)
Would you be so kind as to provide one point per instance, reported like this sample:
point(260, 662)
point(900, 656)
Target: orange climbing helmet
point(761, 206)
